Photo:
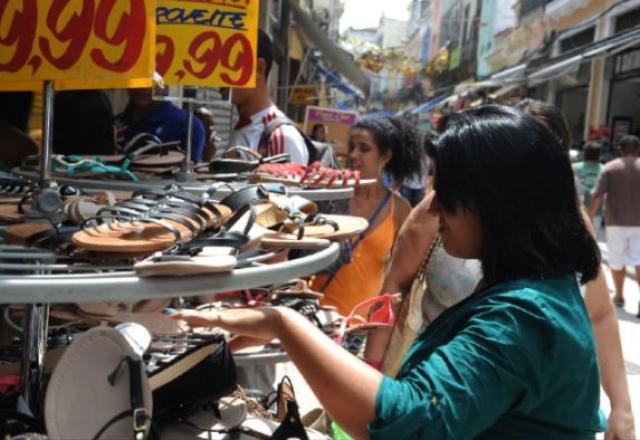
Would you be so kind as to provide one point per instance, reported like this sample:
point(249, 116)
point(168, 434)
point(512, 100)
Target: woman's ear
point(386, 157)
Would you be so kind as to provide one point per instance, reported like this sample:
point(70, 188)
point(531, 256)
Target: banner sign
point(336, 123)
point(207, 42)
point(82, 41)
point(301, 95)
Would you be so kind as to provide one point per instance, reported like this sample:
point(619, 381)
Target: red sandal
point(383, 316)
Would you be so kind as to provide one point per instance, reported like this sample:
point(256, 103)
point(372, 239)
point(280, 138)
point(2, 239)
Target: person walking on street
point(588, 171)
point(619, 181)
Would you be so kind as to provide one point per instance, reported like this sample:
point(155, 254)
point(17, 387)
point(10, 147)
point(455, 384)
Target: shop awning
point(430, 104)
point(340, 59)
point(470, 87)
point(334, 80)
point(511, 74)
point(555, 70)
point(613, 44)
point(566, 64)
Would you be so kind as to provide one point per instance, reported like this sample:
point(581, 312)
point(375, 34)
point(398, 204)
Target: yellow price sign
point(207, 42)
point(82, 41)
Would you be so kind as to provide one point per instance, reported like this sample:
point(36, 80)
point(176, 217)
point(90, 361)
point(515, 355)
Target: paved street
point(629, 329)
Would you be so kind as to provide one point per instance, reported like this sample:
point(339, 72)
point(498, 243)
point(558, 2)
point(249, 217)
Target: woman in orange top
point(375, 145)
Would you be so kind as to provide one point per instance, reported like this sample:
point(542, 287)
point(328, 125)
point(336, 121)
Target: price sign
point(207, 42)
point(79, 41)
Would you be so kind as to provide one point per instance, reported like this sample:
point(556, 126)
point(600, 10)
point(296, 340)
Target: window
point(627, 20)
point(578, 40)
point(527, 6)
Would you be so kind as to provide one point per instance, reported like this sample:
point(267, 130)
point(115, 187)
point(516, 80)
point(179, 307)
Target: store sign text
point(207, 43)
point(76, 39)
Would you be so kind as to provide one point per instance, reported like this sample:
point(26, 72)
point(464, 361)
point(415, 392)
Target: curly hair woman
point(375, 145)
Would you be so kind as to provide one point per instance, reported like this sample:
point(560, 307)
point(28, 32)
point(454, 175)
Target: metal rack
point(43, 288)
point(127, 286)
point(316, 195)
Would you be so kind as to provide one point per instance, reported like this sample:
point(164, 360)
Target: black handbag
point(204, 373)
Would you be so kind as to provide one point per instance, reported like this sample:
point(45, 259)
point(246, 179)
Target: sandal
point(228, 164)
point(383, 316)
point(116, 313)
point(213, 253)
point(205, 260)
point(315, 231)
point(137, 153)
point(308, 176)
point(151, 221)
point(618, 301)
point(294, 289)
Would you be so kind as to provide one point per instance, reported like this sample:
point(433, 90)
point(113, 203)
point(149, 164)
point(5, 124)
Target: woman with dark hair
point(514, 360)
point(551, 116)
point(319, 133)
point(375, 145)
point(448, 280)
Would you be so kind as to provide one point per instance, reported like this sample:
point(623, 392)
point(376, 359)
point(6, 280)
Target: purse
point(203, 373)
point(409, 318)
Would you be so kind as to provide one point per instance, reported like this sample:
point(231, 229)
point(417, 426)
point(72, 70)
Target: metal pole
point(284, 67)
point(34, 345)
point(187, 164)
point(230, 114)
point(47, 134)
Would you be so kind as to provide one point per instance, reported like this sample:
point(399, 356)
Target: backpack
point(318, 151)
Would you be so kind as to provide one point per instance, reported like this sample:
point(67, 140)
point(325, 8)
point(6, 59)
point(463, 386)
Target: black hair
point(551, 116)
point(490, 160)
point(397, 135)
point(316, 126)
point(591, 151)
point(629, 143)
point(83, 123)
point(265, 50)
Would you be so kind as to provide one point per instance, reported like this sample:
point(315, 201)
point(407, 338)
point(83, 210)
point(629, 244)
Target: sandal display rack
point(41, 285)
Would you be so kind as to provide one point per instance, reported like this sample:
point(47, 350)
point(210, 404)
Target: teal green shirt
point(515, 361)
point(587, 173)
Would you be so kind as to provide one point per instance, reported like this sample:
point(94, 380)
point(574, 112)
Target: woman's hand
point(621, 425)
point(257, 323)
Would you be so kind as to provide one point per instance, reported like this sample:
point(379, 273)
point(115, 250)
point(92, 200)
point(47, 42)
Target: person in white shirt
point(256, 110)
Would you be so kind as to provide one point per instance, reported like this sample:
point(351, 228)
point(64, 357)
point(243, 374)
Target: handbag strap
point(141, 418)
point(403, 336)
point(371, 220)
